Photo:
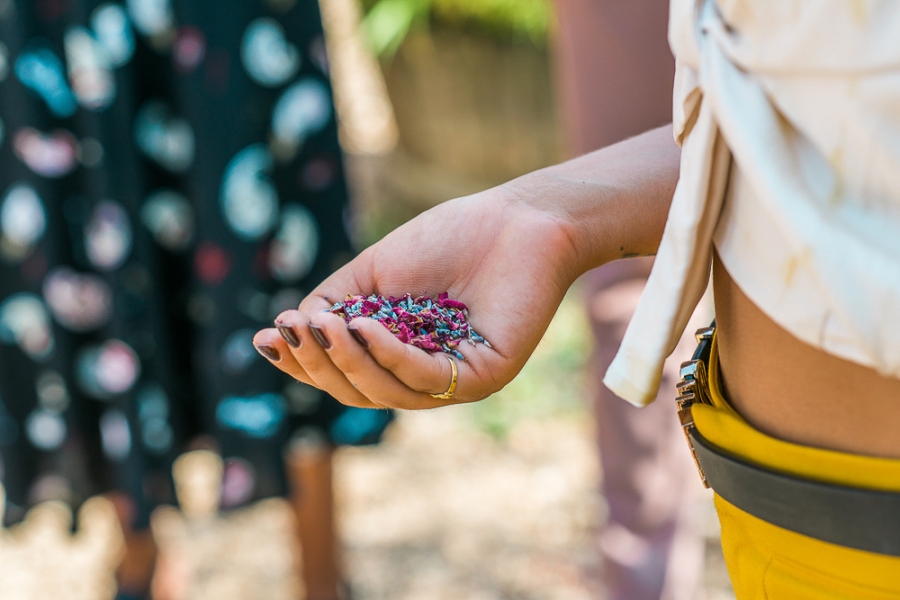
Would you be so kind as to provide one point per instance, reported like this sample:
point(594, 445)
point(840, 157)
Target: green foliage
point(516, 18)
point(387, 22)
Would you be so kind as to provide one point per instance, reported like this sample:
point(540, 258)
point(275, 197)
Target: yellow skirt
point(766, 561)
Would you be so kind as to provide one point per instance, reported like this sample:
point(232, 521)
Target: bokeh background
point(497, 500)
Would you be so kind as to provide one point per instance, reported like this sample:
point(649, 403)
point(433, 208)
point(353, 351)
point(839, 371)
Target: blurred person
point(614, 77)
point(778, 177)
point(172, 179)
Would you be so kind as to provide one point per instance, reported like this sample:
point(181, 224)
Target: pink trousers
point(615, 74)
point(651, 543)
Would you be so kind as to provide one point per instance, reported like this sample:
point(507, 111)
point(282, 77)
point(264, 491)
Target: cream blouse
point(788, 114)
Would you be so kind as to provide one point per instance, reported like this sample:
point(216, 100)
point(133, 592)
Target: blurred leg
point(651, 543)
point(310, 474)
point(136, 569)
point(614, 70)
point(615, 74)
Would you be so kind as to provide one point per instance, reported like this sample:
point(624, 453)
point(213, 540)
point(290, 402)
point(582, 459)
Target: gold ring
point(450, 390)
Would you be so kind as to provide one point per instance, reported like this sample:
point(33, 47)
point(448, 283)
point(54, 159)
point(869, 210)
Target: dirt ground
point(442, 510)
point(496, 500)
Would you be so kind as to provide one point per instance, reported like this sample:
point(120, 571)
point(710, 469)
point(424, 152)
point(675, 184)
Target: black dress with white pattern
point(171, 181)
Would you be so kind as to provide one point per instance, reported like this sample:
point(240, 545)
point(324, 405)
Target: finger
point(310, 355)
point(417, 369)
point(373, 380)
point(272, 346)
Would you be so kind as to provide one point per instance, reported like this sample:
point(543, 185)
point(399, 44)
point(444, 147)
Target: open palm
point(509, 264)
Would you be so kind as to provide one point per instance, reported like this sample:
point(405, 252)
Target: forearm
point(612, 203)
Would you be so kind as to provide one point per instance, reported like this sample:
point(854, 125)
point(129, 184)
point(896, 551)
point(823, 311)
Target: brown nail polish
point(358, 337)
point(319, 334)
point(269, 352)
point(287, 332)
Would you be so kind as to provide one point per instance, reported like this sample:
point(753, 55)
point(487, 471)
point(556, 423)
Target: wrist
point(534, 210)
point(571, 218)
point(609, 204)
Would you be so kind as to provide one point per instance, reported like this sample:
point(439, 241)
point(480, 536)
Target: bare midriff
point(795, 392)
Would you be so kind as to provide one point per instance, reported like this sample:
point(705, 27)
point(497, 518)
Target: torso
point(793, 391)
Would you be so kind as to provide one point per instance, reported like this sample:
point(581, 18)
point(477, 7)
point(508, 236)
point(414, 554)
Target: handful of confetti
point(434, 325)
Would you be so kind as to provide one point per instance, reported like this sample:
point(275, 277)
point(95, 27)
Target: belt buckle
point(694, 388)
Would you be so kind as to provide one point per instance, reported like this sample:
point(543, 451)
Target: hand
point(509, 253)
point(510, 263)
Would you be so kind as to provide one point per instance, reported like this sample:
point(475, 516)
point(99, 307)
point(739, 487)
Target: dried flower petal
point(433, 325)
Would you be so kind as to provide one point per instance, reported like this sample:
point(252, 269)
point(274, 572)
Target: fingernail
point(358, 337)
point(319, 334)
point(287, 332)
point(269, 352)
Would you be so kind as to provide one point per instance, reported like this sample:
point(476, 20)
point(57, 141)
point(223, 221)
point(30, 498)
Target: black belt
point(852, 517)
